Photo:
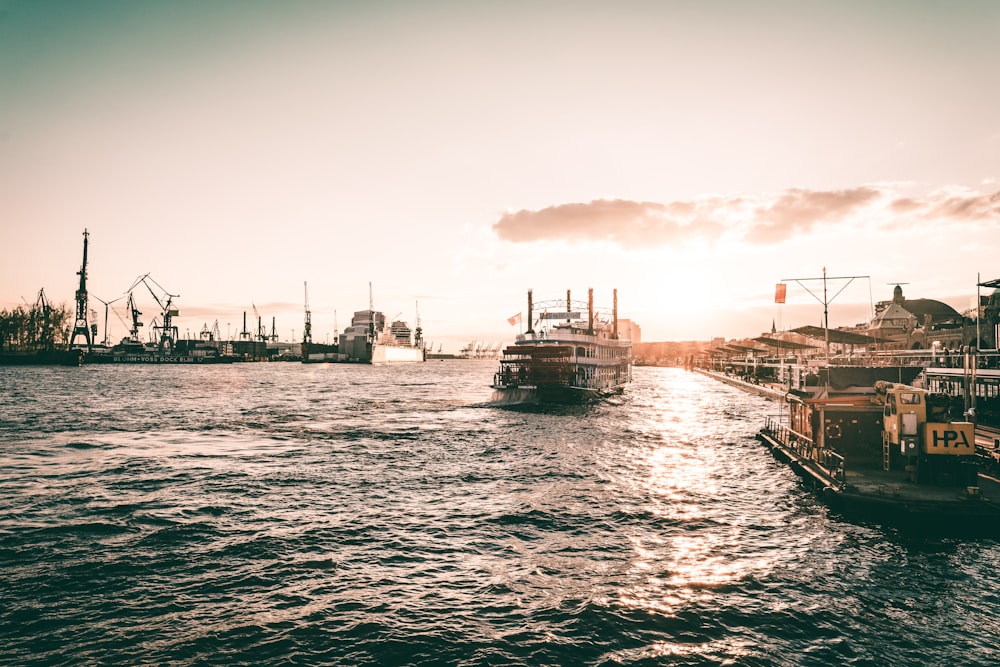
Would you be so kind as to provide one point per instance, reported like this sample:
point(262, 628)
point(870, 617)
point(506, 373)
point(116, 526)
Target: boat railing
point(826, 460)
point(559, 336)
point(927, 358)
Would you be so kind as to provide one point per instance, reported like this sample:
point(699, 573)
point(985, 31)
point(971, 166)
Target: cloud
point(762, 219)
point(626, 223)
point(796, 211)
point(967, 207)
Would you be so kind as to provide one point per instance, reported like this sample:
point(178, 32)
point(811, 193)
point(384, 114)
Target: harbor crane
point(134, 313)
point(81, 326)
point(212, 334)
point(307, 330)
point(46, 339)
point(261, 331)
point(418, 332)
point(168, 332)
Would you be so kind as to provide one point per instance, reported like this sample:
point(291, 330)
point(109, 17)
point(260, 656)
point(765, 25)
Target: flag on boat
point(514, 319)
point(779, 293)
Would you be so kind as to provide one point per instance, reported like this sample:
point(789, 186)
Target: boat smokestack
point(590, 311)
point(614, 314)
point(569, 307)
point(530, 318)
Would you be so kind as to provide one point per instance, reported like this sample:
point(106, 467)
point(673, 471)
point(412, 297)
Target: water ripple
point(289, 514)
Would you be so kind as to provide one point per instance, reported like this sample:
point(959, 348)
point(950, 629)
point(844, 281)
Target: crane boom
point(168, 332)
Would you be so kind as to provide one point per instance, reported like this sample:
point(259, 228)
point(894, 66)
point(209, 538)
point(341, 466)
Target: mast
point(826, 319)
point(81, 326)
point(825, 301)
point(569, 307)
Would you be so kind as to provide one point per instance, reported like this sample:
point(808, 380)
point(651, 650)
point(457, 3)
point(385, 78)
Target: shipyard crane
point(210, 335)
point(261, 331)
point(168, 332)
point(418, 332)
point(81, 325)
point(46, 339)
point(153, 326)
point(134, 313)
point(307, 330)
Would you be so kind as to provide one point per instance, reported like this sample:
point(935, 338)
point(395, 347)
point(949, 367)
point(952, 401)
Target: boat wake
point(514, 396)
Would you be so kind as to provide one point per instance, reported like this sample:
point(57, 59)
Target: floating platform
point(870, 493)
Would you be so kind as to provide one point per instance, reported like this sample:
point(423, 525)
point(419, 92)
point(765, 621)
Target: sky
point(454, 155)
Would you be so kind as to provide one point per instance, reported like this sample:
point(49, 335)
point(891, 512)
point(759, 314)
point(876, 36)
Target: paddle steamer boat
point(572, 356)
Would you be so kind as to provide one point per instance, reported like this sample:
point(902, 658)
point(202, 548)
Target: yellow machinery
point(919, 433)
point(916, 422)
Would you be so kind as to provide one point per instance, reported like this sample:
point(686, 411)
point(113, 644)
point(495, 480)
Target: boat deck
point(894, 484)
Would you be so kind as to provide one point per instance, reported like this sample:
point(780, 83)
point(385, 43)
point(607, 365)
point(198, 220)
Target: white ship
point(370, 341)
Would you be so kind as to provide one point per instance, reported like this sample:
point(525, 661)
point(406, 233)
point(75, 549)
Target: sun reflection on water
point(683, 474)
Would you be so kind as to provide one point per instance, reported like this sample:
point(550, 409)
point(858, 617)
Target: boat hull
point(894, 502)
point(42, 358)
point(550, 394)
point(391, 354)
point(159, 359)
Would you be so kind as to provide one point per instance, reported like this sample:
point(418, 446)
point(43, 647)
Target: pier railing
point(823, 459)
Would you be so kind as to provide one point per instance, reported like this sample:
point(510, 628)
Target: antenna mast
point(825, 301)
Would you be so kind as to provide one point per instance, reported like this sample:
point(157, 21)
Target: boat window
point(909, 398)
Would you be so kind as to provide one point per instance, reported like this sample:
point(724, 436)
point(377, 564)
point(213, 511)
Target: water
point(288, 514)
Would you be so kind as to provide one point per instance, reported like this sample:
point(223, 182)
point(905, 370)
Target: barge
point(42, 358)
point(887, 452)
point(568, 359)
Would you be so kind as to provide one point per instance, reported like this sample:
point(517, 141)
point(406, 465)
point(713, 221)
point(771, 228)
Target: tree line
point(38, 327)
